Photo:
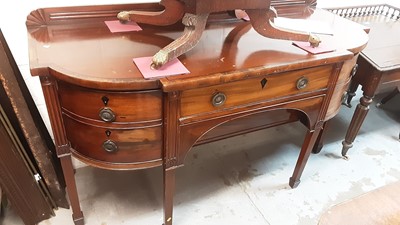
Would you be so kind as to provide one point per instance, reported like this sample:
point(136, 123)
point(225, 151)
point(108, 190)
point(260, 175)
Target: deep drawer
point(136, 145)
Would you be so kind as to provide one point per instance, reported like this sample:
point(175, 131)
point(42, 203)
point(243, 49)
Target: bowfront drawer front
point(113, 130)
point(104, 145)
point(251, 91)
point(119, 107)
point(346, 73)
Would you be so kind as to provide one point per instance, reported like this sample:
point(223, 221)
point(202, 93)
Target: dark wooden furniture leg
point(356, 122)
point(308, 144)
point(351, 92)
point(369, 86)
point(171, 131)
point(319, 143)
point(68, 170)
point(388, 97)
point(62, 145)
point(169, 189)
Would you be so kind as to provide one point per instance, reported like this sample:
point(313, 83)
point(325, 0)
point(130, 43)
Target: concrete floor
point(244, 180)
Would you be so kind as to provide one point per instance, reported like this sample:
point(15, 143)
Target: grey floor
point(244, 180)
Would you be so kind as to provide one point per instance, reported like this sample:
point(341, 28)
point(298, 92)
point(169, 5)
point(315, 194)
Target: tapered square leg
point(305, 152)
point(319, 143)
point(169, 189)
point(68, 170)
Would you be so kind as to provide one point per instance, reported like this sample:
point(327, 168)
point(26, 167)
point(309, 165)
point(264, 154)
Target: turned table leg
point(369, 81)
point(308, 144)
point(351, 93)
point(355, 124)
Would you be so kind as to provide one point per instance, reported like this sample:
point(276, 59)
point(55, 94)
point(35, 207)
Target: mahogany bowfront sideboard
point(104, 113)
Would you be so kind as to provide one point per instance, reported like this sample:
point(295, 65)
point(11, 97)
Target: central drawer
point(252, 91)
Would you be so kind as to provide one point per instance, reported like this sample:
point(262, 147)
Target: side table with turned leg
point(378, 64)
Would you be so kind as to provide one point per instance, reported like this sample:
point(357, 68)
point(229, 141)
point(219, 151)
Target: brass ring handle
point(218, 99)
point(110, 146)
point(107, 115)
point(302, 83)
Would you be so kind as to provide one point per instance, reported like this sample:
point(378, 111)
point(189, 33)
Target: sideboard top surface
point(75, 45)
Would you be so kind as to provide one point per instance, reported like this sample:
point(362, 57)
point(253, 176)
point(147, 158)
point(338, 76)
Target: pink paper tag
point(173, 67)
point(241, 14)
point(322, 48)
point(116, 26)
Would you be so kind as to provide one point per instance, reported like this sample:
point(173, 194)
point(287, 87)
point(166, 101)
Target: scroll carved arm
point(262, 22)
point(194, 27)
point(172, 13)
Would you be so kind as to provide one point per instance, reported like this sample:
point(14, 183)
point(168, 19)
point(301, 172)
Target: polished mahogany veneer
point(104, 112)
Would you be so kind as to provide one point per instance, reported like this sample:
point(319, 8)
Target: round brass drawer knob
point(110, 146)
point(302, 83)
point(218, 99)
point(107, 115)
